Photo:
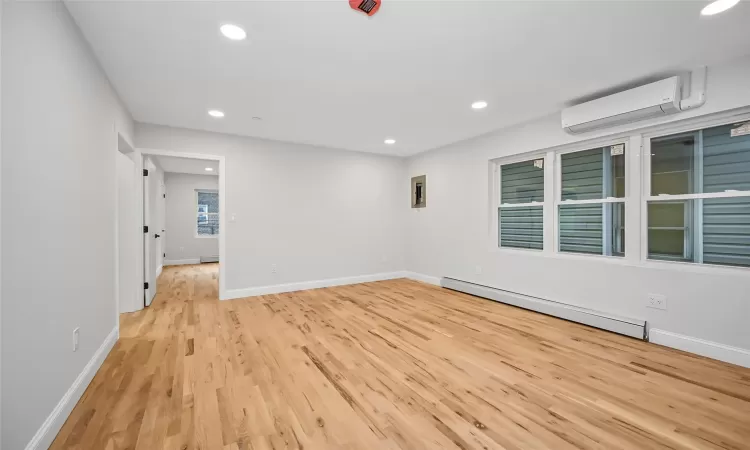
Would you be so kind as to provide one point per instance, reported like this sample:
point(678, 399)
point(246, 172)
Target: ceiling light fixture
point(717, 7)
point(390, 141)
point(216, 113)
point(233, 32)
point(479, 105)
point(209, 169)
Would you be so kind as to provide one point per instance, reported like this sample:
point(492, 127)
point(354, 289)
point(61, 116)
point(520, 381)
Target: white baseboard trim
point(159, 270)
point(181, 262)
point(726, 353)
point(422, 277)
point(49, 429)
point(305, 285)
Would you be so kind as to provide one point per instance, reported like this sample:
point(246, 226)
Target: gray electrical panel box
point(419, 191)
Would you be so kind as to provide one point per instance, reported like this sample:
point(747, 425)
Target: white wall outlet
point(478, 270)
point(76, 337)
point(182, 249)
point(273, 268)
point(657, 301)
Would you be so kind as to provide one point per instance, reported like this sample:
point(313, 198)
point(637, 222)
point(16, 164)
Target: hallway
point(392, 364)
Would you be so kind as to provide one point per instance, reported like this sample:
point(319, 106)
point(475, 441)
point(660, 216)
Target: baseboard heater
point(209, 259)
point(629, 327)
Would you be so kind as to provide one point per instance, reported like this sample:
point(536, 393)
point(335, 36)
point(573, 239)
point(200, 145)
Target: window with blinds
point(521, 210)
point(699, 203)
point(591, 208)
point(695, 189)
point(207, 223)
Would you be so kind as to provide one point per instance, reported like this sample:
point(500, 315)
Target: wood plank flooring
point(392, 365)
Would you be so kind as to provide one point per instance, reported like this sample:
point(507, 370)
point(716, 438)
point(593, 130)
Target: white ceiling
point(318, 72)
point(172, 164)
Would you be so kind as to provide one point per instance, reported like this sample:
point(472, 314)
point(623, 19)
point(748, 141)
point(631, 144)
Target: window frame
point(636, 245)
point(695, 238)
point(558, 201)
point(197, 213)
point(496, 197)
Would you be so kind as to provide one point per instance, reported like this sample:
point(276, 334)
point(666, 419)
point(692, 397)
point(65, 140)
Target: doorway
point(182, 206)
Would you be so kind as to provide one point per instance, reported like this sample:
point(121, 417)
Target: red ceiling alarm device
point(369, 7)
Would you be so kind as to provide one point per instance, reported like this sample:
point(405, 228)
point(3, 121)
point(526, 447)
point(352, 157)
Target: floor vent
point(629, 327)
point(209, 259)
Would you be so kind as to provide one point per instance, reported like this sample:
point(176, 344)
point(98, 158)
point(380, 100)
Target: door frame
point(139, 156)
point(136, 303)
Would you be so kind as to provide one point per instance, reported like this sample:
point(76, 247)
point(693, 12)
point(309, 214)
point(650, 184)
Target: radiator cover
point(629, 327)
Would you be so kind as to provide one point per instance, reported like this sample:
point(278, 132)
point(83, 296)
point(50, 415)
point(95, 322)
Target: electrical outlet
point(76, 336)
point(657, 301)
point(273, 268)
point(478, 270)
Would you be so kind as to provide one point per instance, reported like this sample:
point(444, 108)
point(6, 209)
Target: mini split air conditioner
point(644, 102)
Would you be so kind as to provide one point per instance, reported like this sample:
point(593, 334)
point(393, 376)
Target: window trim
point(196, 213)
point(495, 198)
point(558, 201)
point(688, 126)
point(636, 246)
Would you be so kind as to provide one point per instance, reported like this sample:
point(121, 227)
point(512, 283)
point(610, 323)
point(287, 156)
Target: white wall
point(1, 299)
point(128, 242)
point(58, 219)
point(182, 243)
point(452, 236)
point(316, 213)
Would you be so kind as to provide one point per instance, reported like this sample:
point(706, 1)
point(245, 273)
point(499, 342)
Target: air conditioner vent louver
point(644, 102)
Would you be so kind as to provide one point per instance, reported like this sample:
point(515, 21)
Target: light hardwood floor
point(392, 364)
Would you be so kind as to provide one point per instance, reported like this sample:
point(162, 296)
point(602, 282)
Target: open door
point(151, 229)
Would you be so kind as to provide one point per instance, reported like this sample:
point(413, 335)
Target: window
point(694, 189)
point(207, 210)
point(591, 206)
point(698, 197)
point(521, 210)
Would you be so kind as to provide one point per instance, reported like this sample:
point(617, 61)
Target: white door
point(152, 229)
point(161, 203)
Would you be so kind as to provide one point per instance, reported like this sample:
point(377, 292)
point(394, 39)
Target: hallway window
point(207, 210)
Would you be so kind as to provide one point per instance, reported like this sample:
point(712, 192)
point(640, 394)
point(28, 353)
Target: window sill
point(620, 260)
point(624, 261)
point(687, 266)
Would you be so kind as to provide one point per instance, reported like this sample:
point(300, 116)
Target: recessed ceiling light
point(233, 32)
point(390, 141)
point(216, 113)
point(479, 105)
point(209, 169)
point(257, 118)
point(718, 6)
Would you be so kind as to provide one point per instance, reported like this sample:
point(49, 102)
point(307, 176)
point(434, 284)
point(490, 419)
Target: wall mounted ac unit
point(644, 102)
